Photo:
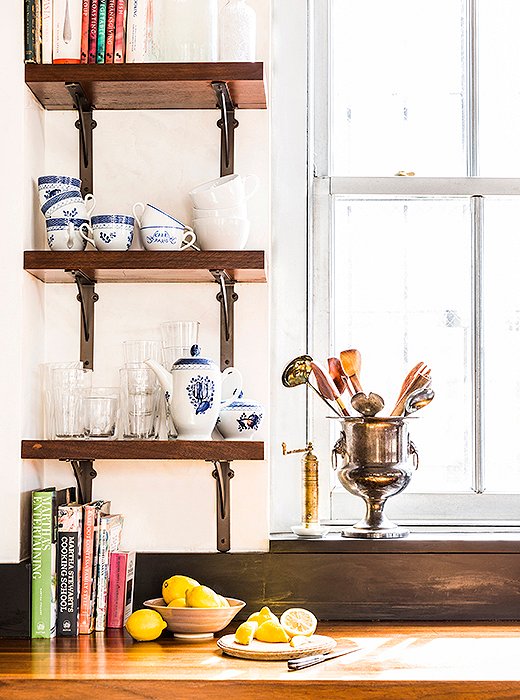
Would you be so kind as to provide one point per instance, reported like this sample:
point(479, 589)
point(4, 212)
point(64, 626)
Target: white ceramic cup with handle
point(221, 233)
point(109, 232)
point(69, 205)
point(224, 192)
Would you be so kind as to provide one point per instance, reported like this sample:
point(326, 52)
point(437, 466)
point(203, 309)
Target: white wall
point(152, 156)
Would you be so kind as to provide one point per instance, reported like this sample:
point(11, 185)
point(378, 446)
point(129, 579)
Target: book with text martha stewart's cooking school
point(70, 521)
point(110, 530)
point(44, 503)
point(91, 515)
point(66, 31)
point(120, 588)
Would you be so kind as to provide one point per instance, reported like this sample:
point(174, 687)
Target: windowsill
point(421, 540)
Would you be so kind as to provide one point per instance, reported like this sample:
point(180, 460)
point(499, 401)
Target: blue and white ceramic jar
point(240, 419)
point(197, 394)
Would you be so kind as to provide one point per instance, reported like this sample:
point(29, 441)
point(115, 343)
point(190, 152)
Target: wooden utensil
point(326, 387)
point(351, 362)
point(411, 374)
point(338, 376)
point(420, 381)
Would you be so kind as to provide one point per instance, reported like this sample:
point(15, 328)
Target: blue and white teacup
point(51, 185)
point(109, 231)
point(69, 205)
point(65, 234)
point(162, 231)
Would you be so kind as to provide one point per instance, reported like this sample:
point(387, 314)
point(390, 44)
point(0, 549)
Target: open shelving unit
point(84, 88)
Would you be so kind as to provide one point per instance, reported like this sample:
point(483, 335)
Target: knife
point(297, 664)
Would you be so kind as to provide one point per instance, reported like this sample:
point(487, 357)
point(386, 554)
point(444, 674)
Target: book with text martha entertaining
point(120, 588)
point(44, 503)
point(110, 530)
point(70, 520)
point(91, 515)
point(66, 31)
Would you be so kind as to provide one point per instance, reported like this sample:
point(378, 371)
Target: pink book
point(120, 588)
point(85, 26)
point(120, 33)
point(91, 515)
point(111, 31)
point(92, 32)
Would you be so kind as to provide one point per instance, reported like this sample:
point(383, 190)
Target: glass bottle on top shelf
point(189, 31)
point(237, 32)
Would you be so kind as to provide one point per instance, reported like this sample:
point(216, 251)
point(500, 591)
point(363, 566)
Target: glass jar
point(189, 31)
point(237, 32)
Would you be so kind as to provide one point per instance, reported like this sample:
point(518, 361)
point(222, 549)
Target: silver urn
point(375, 464)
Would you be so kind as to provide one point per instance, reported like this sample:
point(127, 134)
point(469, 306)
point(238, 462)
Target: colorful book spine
point(111, 31)
point(32, 31)
point(110, 529)
point(91, 514)
point(46, 31)
point(85, 29)
point(68, 568)
point(42, 564)
point(120, 39)
point(66, 31)
point(102, 31)
point(136, 32)
point(92, 32)
point(120, 588)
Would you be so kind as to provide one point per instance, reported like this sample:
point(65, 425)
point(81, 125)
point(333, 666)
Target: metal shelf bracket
point(227, 124)
point(85, 474)
point(85, 124)
point(223, 475)
point(87, 297)
point(226, 297)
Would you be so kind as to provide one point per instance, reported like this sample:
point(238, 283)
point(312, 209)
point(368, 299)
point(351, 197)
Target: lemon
point(145, 625)
point(245, 632)
point(299, 641)
point(176, 587)
point(202, 597)
point(223, 602)
point(177, 603)
point(298, 621)
point(262, 616)
point(271, 631)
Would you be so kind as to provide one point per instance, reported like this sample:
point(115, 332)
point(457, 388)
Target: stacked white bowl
point(220, 212)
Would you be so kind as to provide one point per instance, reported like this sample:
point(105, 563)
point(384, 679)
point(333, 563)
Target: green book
point(43, 558)
point(102, 30)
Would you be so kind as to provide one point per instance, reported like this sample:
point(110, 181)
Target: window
point(416, 234)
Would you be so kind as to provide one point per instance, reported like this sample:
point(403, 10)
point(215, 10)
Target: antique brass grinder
point(310, 524)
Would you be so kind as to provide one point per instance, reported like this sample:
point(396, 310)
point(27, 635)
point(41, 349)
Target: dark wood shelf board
point(229, 450)
point(148, 85)
point(146, 266)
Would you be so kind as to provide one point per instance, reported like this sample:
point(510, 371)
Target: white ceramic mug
point(109, 231)
point(69, 205)
point(65, 234)
point(222, 234)
point(227, 191)
point(151, 215)
point(167, 237)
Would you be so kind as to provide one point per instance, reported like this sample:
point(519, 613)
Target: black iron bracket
point(226, 297)
point(86, 125)
point(223, 475)
point(85, 474)
point(87, 297)
point(227, 124)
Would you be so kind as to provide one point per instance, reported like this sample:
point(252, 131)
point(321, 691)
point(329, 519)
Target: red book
point(92, 32)
point(111, 31)
point(120, 588)
point(91, 514)
point(120, 34)
point(85, 25)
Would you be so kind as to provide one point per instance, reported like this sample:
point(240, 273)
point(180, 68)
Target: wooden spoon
point(411, 374)
point(326, 386)
point(420, 381)
point(338, 376)
point(351, 362)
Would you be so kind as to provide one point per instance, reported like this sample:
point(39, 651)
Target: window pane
point(402, 294)
point(501, 340)
point(397, 87)
point(499, 88)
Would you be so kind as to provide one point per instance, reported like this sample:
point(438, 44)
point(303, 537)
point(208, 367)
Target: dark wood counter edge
point(230, 450)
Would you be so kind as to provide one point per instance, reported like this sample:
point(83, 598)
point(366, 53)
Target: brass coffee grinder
point(310, 525)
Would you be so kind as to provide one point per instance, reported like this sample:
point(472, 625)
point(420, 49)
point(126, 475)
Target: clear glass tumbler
point(135, 352)
point(68, 389)
point(49, 432)
point(140, 393)
point(177, 339)
point(100, 410)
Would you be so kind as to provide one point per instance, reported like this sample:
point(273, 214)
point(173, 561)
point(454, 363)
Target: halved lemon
point(298, 621)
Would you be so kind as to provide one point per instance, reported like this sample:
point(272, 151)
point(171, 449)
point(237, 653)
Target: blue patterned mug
point(51, 185)
point(109, 231)
point(162, 231)
point(64, 234)
point(69, 205)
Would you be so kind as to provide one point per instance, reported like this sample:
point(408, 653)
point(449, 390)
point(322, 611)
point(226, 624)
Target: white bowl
point(239, 211)
point(195, 623)
point(221, 233)
point(225, 191)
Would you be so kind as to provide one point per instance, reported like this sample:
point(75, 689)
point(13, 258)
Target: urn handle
point(412, 450)
point(340, 448)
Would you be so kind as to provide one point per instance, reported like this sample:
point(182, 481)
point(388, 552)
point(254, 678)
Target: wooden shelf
point(146, 266)
point(148, 85)
point(225, 450)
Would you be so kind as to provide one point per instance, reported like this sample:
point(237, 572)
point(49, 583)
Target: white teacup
point(109, 231)
point(167, 237)
point(150, 215)
point(69, 205)
point(52, 185)
point(222, 234)
point(224, 192)
point(65, 234)
point(238, 212)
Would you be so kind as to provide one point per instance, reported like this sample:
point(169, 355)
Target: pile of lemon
point(295, 626)
point(184, 592)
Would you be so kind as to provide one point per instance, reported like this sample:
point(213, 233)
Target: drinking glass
point(49, 432)
point(68, 390)
point(140, 392)
point(177, 339)
point(100, 410)
point(135, 352)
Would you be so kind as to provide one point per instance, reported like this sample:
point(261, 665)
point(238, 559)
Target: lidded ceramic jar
point(240, 419)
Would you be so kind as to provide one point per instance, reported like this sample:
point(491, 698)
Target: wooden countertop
point(395, 662)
